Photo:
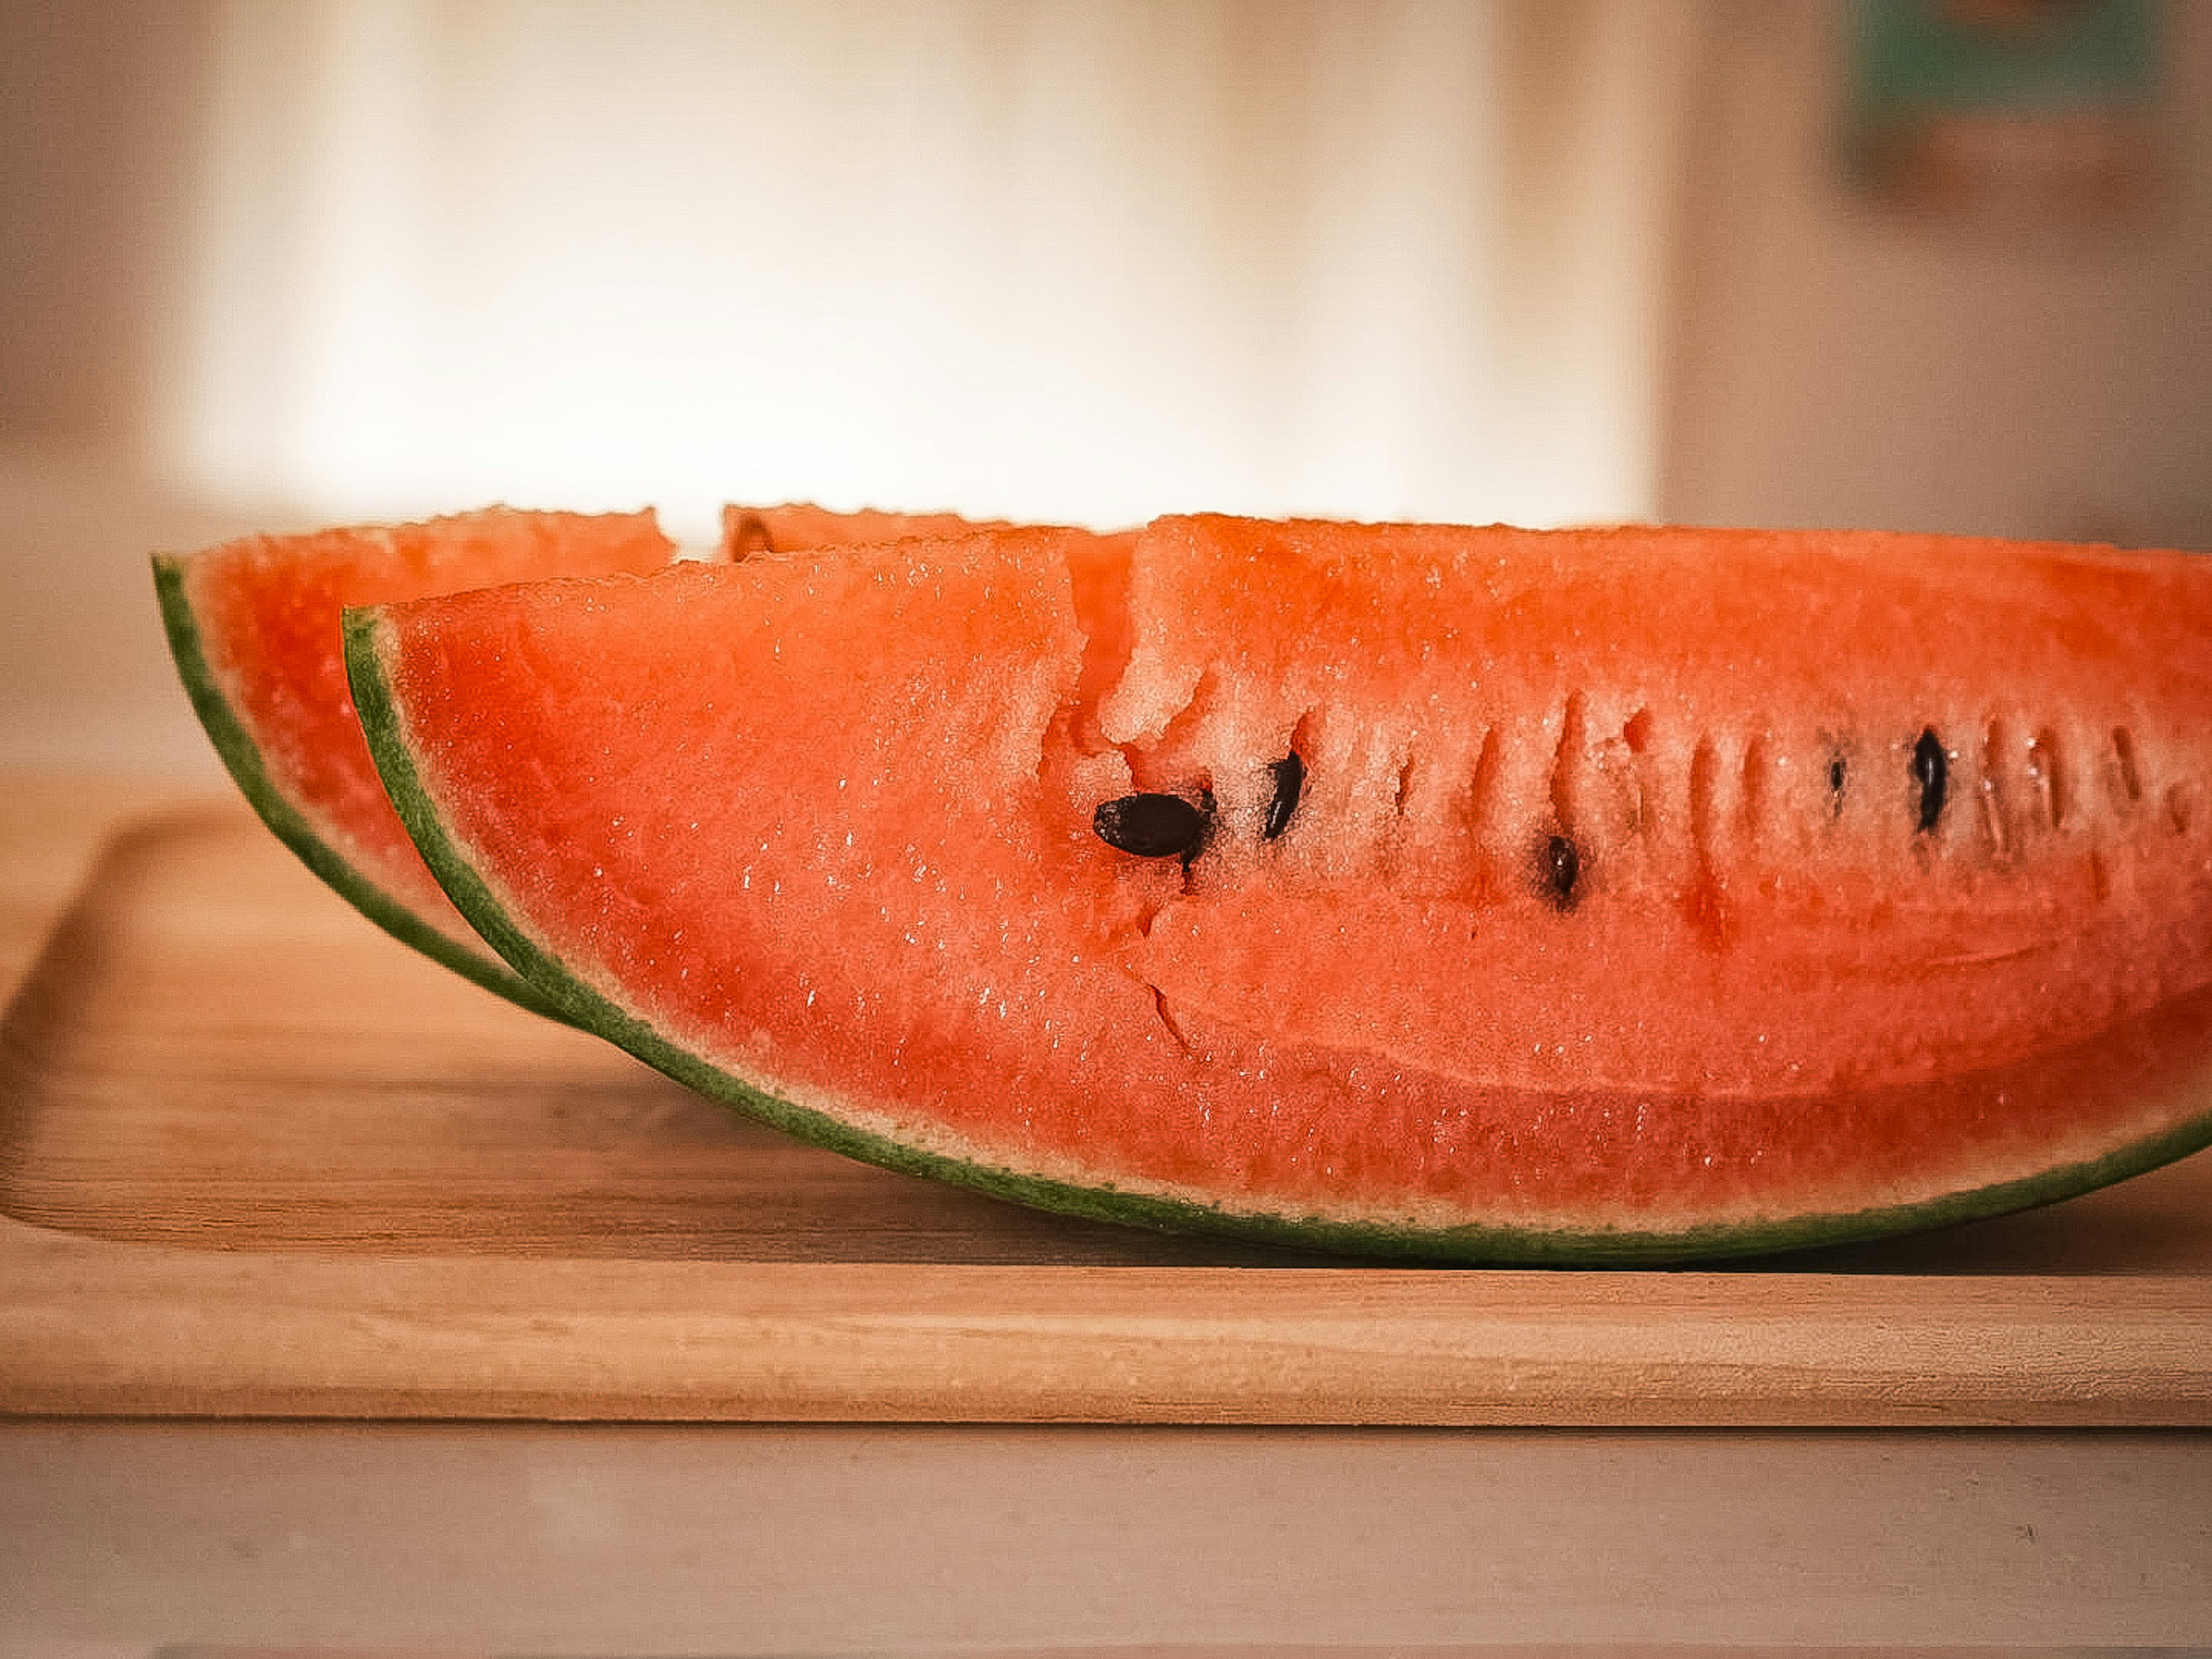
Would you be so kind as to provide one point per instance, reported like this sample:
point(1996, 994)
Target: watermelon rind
point(582, 1005)
point(241, 756)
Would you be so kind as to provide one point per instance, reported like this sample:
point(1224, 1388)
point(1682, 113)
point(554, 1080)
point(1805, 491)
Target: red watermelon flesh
point(1642, 894)
point(798, 526)
point(254, 627)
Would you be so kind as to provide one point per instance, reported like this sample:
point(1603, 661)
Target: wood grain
point(255, 1159)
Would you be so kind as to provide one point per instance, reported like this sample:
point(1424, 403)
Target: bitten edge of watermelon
point(241, 758)
point(576, 1002)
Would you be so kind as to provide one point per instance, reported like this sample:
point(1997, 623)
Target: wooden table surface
point(135, 1511)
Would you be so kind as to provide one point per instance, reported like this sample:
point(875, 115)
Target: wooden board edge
point(95, 1329)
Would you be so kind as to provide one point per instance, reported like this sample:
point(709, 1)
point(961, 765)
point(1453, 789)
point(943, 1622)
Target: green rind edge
point(583, 1006)
point(241, 756)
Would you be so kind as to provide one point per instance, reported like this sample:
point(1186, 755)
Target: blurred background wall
point(274, 262)
point(2020, 348)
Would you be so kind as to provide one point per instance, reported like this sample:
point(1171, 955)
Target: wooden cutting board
point(256, 1158)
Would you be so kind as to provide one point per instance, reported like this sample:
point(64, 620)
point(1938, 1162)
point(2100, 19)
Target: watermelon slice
point(1599, 896)
point(253, 626)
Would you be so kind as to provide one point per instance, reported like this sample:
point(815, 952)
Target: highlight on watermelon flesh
point(1628, 894)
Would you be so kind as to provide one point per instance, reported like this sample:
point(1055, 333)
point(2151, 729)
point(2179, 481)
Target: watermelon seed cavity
point(2124, 748)
point(1563, 868)
point(2045, 764)
point(1205, 829)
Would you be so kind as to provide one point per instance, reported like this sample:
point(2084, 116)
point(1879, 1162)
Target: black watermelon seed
point(1930, 766)
point(1150, 826)
point(1836, 771)
point(1290, 774)
point(1563, 869)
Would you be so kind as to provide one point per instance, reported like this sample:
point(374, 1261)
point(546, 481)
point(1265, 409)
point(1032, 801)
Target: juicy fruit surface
point(255, 627)
point(1701, 757)
point(800, 526)
point(1632, 892)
